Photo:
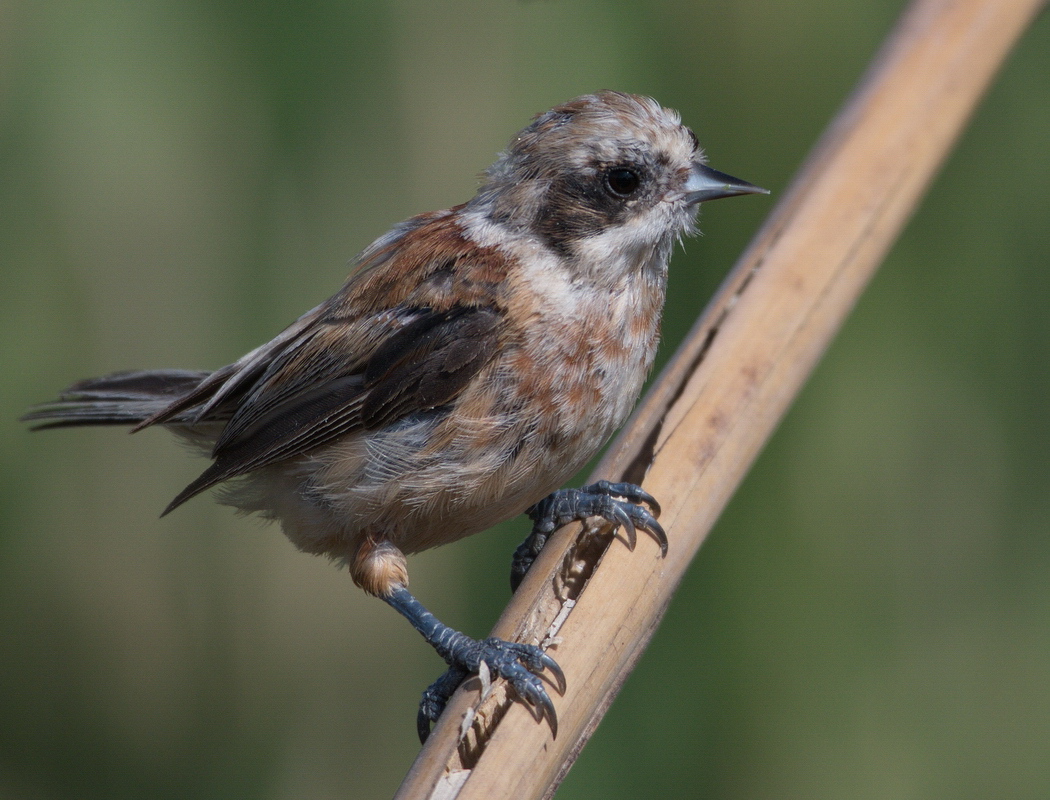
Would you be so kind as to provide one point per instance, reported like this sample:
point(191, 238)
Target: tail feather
point(124, 398)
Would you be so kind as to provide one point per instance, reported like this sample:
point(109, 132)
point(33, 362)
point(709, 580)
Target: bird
point(474, 360)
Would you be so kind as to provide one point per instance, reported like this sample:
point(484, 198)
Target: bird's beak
point(709, 184)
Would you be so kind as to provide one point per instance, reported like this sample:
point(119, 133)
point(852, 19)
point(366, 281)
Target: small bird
point(475, 359)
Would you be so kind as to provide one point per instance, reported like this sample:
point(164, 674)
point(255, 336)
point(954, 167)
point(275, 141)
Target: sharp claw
point(657, 530)
point(649, 523)
point(552, 666)
point(623, 519)
point(546, 709)
point(422, 726)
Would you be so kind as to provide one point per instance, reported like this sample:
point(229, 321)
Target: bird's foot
point(521, 665)
point(618, 503)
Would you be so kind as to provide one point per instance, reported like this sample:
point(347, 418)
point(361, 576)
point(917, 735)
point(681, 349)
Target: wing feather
point(420, 317)
point(422, 366)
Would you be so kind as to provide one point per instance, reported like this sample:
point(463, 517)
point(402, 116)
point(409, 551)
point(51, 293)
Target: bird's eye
point(622, 181)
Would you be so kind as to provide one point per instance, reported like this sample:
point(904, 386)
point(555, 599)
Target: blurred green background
point(179, 180)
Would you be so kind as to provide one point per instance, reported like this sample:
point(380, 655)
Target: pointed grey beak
point(709, 184)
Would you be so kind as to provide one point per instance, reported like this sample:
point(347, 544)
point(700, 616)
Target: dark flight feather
point(423, 365)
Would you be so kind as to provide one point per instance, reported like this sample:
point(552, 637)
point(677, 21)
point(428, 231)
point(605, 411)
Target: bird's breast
point(582, 351)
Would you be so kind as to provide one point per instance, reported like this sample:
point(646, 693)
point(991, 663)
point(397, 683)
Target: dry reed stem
point(720, 398)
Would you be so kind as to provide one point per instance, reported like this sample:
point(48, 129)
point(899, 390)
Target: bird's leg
point(617, 503)
point(520, 664)
point(379, 567)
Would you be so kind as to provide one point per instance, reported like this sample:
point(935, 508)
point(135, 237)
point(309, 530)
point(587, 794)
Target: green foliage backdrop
point(178, 180)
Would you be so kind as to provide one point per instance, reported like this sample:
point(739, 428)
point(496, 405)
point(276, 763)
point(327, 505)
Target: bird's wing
point(322, 389)
point(433, 321)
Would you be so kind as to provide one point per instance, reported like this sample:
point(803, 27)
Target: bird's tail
point(123, 398)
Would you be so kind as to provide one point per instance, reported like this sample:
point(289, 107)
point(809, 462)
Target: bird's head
point(607, 176)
